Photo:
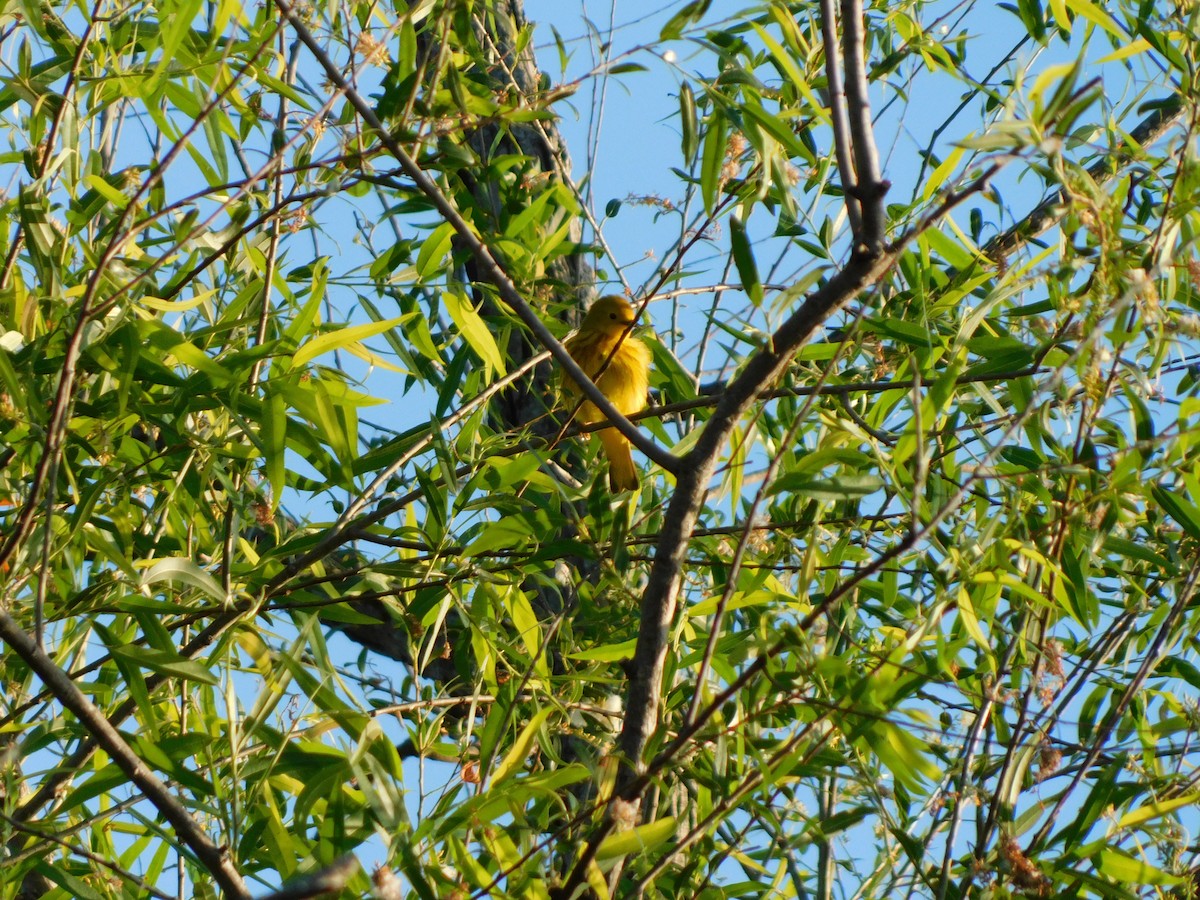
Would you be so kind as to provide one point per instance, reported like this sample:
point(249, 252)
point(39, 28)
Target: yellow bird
point(624, 380)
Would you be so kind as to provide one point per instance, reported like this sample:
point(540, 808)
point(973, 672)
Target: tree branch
point(329, 880)
point(1047, 214)
point(764, 368)
point(695, 472)
point(212, 857)
point(868, 184)
point(837, 113)
point(489, 268)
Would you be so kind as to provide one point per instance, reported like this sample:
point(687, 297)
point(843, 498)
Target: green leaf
point(175, 27)
point(40, 236)
point(517, 755)
point(184, 571)
point(607, 652)
point(433, 250)
point(689, 124)
point(691, 12)
point(843, 487)
point(273, 430)
point(110, 193)
point(1156, 809)
point(1183, 512)
point(902, 330)
point(75, 887)
point(641, 839)
point(165, 663)
point(342, 337)
point(713, 159)
point(903, 753)
point(474, 330)
point(518, 607)
point(1099, 16)
point(743, 258)
point(966, 612)
point(1122, 867)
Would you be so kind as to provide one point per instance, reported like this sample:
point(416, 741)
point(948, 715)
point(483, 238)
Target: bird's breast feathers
point(625, 379)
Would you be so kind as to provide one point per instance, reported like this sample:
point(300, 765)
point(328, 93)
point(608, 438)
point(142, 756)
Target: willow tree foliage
point(305, 564)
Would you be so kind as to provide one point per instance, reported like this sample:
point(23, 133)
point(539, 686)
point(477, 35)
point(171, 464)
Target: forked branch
point(869, 261)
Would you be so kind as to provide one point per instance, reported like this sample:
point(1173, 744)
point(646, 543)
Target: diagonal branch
point(763, 370)
point(489, 268)
point(868, 262)
point(1047, 214)
point(213, 858)
point(321, 883)
point(662, 588)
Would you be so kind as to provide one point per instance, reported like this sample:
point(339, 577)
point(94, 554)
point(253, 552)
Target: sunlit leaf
point(640, 839)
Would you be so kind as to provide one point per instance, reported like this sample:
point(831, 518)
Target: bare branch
point(662, 588)
point(868, 184)
point(841, 121)
point(764, 368)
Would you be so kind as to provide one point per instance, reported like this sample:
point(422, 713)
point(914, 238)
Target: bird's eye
point(612, 315)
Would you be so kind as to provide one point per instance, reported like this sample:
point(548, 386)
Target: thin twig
point(78, 850)
point(1155, 654)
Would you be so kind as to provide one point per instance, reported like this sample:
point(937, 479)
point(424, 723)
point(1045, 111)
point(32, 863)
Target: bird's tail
point(622, 474)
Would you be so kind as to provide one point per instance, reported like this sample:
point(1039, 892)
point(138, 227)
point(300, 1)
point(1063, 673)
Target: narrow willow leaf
point(743, 258)
point(175, 27)
point(515, 758)
point(434, 250)
point(636, 840)
point(713, 159)
point(597, 882)
point(1128, 869)
point(273, 431)
point(526, 623)
point(966, 612)
point(607, 652)
point(474, 330)
point(689, 124)
point(1098, 16)
point(182, 570)
point(1156, 810)
point(165, 663)
point(1183, 512)
point(690, 13)
point(110, 193)
point(335, 340)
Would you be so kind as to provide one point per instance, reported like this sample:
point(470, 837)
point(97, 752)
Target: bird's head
point(611, 313)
